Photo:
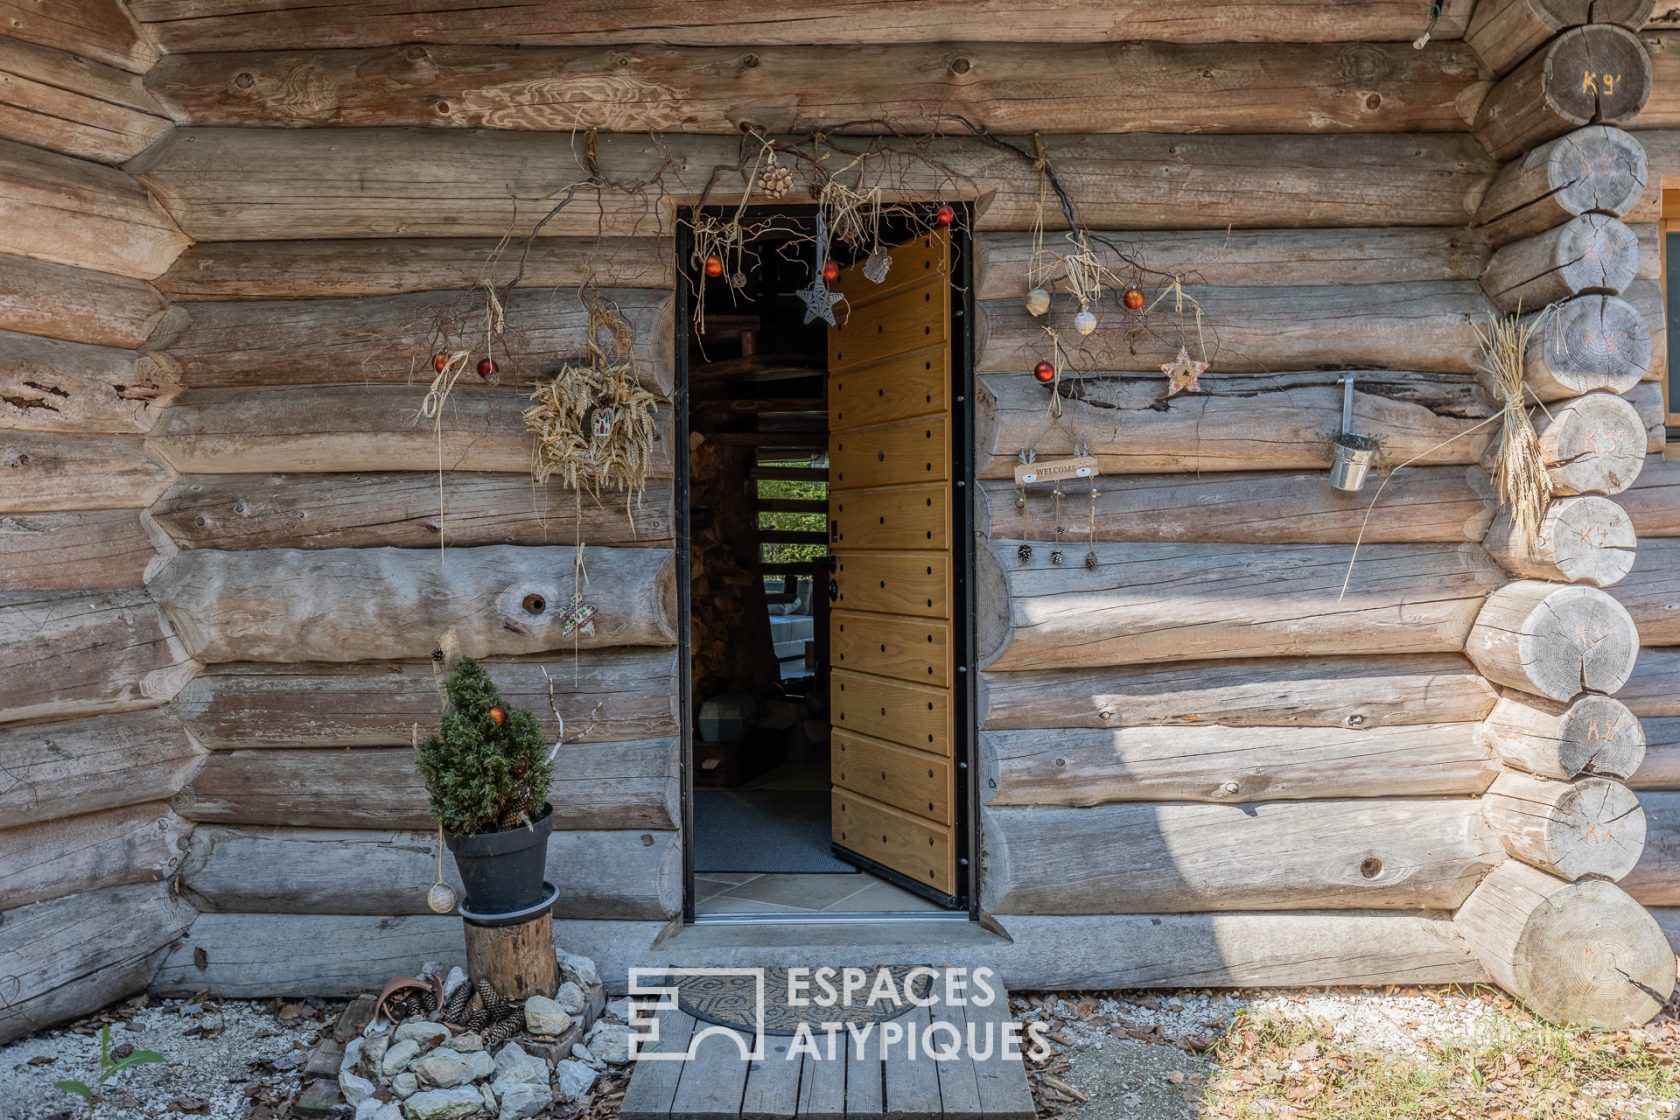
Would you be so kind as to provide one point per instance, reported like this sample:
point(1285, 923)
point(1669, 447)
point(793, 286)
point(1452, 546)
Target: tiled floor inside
point(725, 892)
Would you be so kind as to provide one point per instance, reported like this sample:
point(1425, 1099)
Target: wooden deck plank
point(654, 1085)
point(714, 1079)
point(912, 1082)
point(773, 1082)
point(822, 1086)
point(959, 1090)
point(1001, 1080)
point(864, 1088)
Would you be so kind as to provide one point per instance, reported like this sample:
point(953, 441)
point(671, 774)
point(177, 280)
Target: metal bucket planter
point(1352, 462)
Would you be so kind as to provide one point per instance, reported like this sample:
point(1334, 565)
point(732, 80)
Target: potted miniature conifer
point(487, 771)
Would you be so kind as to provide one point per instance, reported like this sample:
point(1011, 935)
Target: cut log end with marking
point(1583, 953)
point(1504, 32)
point(1592, 734)
point(1597, 74)
point(1597, 169)
point(1593, 253)
point(1587, 539)
point(1591, 445)
point(1587, 344)
point(1554, 640)
point(1591, 826)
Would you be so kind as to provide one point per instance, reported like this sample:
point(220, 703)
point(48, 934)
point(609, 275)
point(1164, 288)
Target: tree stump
point(518, 961)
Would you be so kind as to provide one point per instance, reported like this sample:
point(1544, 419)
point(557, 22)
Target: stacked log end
point(89, 759)
point(1549, 923)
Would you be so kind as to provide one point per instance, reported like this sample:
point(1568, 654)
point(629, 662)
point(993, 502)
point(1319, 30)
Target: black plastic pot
point(503, 871)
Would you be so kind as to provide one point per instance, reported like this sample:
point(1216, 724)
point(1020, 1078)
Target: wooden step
point(718, 1083)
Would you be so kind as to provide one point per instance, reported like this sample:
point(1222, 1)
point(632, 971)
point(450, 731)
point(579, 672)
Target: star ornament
point(1182, 373)
point(820, 301)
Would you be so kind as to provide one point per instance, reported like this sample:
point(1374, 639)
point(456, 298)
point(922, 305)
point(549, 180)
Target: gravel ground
point(223, 1061)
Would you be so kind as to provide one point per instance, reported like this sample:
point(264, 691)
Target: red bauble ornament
point(944, 215)
point(498, 716)
point(488, 368)
point(714, 267)
point(1133, 299)
point(1045, 372)
point(831, 271)
point(439, 360)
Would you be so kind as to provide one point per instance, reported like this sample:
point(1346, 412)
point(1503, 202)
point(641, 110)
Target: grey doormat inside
point(764, 831)
point(732, 1001)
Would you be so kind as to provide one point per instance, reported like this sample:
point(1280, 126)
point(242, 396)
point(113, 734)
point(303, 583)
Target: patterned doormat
point(732, 1001)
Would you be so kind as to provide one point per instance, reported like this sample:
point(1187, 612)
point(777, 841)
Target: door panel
point(914, 715)
point(890, 495)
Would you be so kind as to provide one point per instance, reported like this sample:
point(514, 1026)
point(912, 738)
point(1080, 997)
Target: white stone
point(570, 998)
point(523, 1100)
point(515, 1064)
point(454, 980)
point(398, 1056)
point(578, 969)
point(610, 1042)
point(427, 1034)
point(582, 1054)
point(466, 1043)
point(405, 1084)
point(620, 1009)
point(352, 1054)
point(354, 1086)
point(369, 1108)
point(544, 1016)
point(444, 1104)
point(372, 1054)
point(488, 1096)
point(390, 1111)
point(446, 1068)
point(574, 1079)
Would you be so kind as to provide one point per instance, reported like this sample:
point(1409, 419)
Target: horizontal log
point(66, 654)
point(1428, 326)
point(142, 843)
point(61, 769)
point(1589, 826)
point(1077, 85)
point(1350, 692)
point(1584, 345)
point(93, 550)
point(1595, 74)
point(391, 266)
point(1586, 539)
point(1661, 768)
point(1655, 881)
point(1243, 257)
point(1504, 32)
point(1589, 254)
point(1407, 853)
point(331, 871)
point(596, 786)
point(58, 471)
point(604, 695)
point(1592, 734)
point(207, 25)
point(1280, 421)
point(1593, 170)
point(1580, 953)
point(376, 603)
point(1662, 110)
point(1594, 444)
point(1421, 504)
point(344, 428)
point(1646, 295)
point(52, 386)
point(1079, 768)
point(1653, 501)
point(1236, 601)
point(98, 29)
point(59, 301)
point(1651, 592)
point(57, 208)
point(403, 510)
point(393, 338)
point(78, 954)
point(232, 184)
point(1651, 690)
point(1554, 640)
point(75, 105)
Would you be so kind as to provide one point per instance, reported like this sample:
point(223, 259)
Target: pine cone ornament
point(775, 181)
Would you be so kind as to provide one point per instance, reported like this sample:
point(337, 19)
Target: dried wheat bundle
point(1519, 473)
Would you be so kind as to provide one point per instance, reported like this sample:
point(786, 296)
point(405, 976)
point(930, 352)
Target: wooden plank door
point(890, 630)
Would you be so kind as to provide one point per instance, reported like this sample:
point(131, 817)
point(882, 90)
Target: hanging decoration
point(876, 267)
point(819, 298)
point(487, 368)
point(578, 618)
point(593, 423)
point(1044, 372)
point(1133, 299)
point(1519, 470)
point(1182, 373)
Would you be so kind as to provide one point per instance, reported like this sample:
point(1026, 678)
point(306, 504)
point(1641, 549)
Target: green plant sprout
point(107, 1070)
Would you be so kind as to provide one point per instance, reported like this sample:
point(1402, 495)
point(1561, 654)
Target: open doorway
point(824, 510)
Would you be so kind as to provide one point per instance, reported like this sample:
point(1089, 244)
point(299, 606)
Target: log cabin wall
point(1202, 755)
point(89, 759)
